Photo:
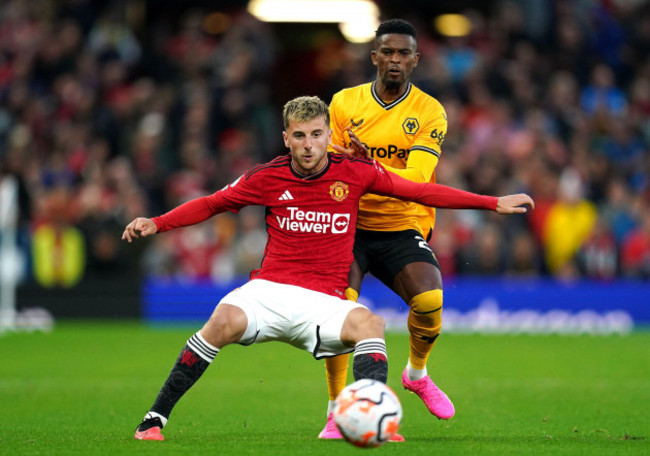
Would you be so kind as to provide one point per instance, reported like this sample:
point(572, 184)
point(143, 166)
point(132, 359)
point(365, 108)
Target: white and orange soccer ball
point(367, 413)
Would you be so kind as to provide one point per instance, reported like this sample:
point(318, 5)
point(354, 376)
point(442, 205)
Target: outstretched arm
point(190, 213)
point(242, 192)
point(436, 195)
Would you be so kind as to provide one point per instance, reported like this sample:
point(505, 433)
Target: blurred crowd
point(108, 112)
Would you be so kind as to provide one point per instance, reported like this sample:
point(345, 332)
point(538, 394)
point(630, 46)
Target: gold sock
point(424, 323)
point(336, 368)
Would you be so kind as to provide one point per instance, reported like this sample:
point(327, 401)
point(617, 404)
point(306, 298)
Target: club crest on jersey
point(339, 191)
point(356, 124)
point(411, 126)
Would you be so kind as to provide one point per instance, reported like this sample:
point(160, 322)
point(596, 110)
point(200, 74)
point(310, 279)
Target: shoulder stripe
point(281, 159)
point(338, 158)
point(426, 149)
point(275, 163)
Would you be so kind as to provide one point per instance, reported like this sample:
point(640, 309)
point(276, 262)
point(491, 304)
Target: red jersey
point(311, 219)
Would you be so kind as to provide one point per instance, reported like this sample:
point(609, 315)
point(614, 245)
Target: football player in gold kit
point(403, 128)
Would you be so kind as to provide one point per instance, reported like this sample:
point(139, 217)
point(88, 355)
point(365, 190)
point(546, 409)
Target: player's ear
point(416, 59)
point(286, 138)
point(373, 57)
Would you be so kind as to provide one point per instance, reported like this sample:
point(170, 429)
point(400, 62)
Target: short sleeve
point(430, 138)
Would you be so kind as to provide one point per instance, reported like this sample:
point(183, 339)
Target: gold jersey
point(404, 135)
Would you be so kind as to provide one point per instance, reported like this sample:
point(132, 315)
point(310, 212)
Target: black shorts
point(385, 253)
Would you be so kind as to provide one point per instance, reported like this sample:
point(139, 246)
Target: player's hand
point(357, 149)
point(141, 225)
point(515, 204)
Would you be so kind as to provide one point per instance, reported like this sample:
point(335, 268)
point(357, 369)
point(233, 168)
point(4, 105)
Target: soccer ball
point(367, 413)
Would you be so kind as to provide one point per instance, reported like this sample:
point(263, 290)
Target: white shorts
point(304, 318)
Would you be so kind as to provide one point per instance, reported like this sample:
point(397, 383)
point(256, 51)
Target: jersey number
point(423, 244)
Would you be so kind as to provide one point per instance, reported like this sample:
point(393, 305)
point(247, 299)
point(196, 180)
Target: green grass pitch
point(83, 388)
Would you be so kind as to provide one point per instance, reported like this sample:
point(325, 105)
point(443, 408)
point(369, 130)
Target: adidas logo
point(286, 196)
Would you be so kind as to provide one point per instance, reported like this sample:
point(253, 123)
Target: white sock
point(330, 407)
point(154, 415)
point(202, 348)
point(415, 374)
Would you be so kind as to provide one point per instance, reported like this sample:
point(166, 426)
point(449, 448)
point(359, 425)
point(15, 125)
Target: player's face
point(395, 56)
point(308, 142)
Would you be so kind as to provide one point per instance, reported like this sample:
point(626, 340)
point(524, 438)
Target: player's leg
point(365, 331)
point(336, 371)
point(420, 285)
point(346, 325)
point(226, 325)
point(336, 367)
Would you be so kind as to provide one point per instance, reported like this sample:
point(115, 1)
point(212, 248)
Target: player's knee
point(376, 325)
point(362, 324)
point(225, 326)
point(429, 302)
point(426, 310)
point(371, 327)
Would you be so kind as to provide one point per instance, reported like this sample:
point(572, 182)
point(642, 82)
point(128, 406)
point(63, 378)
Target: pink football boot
point(436, 401)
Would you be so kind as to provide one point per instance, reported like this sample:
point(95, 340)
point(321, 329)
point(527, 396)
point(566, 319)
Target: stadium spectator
point(87, 85)
point(524, 258)
point(486, 254)
point(602, 96)
point(619, 214)
point(635, 253)
point(569, 223)
point(597, 257)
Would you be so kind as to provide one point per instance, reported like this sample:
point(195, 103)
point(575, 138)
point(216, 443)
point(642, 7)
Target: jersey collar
point(387, 106)
point(310, 176)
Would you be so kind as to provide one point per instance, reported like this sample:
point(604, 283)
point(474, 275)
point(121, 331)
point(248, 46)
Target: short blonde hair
point(304, 109)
